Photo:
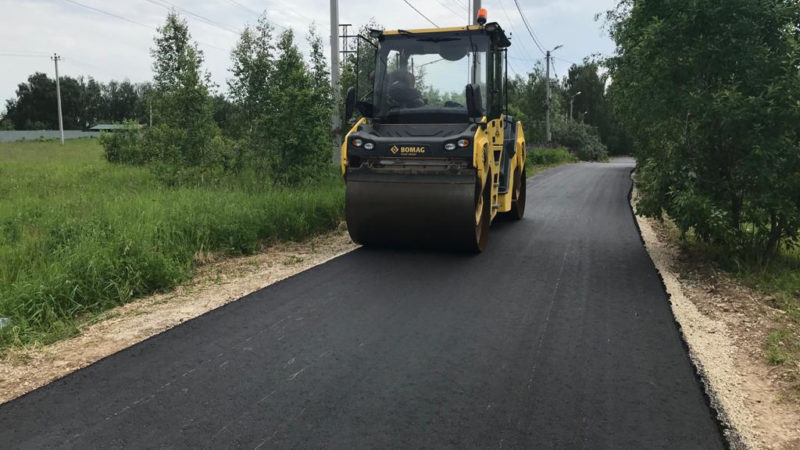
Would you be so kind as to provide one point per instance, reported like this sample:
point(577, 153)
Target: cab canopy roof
point(493, 30)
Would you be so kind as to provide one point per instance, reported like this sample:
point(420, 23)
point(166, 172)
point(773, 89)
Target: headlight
point(369, 146)
point(450, 146)
point(463, 143)
point(357, 142)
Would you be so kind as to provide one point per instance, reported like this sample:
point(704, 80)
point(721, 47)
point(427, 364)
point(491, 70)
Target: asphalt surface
point(558, 336)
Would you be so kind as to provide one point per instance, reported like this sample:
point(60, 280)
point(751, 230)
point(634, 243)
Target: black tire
point(483, 217)
point(520, 194)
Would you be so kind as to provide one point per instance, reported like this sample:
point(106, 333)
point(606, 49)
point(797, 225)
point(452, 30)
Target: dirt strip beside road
point(725, 327)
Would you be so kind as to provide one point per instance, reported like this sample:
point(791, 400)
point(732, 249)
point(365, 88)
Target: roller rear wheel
point(482, 217)
point(520, 193)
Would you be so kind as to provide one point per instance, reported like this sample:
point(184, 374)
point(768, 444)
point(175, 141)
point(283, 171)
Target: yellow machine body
point(439, 177)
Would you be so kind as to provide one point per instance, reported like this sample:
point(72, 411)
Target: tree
point(592, 105)
point(322, 104)
point(527, 100)
point(709, 91)
point(184, 127)
point(252, 92)
point(34, 106)
point(85, 102)
point(295, 150)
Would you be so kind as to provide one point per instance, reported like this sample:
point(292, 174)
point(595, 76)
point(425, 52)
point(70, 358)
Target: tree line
point(709, 92)
point(273, 129)
point(85, 102)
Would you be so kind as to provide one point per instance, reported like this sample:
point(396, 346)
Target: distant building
point(108, 127)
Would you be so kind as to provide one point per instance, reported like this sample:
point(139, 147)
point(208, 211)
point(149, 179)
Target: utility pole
point(571, 102)
point(548, 135)
point(476, 66)
point(55, 59)
point(336, 121)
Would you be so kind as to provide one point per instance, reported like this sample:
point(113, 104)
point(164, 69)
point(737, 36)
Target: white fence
point(33, 135)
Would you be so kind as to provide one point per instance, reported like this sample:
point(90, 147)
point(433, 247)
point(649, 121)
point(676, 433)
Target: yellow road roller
point(433, 157)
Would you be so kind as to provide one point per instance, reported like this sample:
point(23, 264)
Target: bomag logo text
point(408, 150)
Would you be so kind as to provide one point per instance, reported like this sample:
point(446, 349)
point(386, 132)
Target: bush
point(550, 156)
point(714, 116)
point(581, 139)
point(122, 146)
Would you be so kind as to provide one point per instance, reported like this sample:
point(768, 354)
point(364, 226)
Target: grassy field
point(79, 235)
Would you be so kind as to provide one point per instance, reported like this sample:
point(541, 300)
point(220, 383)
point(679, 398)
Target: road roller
point(433, 157)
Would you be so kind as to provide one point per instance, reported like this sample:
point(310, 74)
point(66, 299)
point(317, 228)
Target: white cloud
point(108, 48)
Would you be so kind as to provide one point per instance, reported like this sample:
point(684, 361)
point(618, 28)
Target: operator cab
point(453, 75)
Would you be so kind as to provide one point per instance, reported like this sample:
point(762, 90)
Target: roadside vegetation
point(94, 224)
point(708, 92)
point(79, 235)
point(541, 158)
point(90, 225)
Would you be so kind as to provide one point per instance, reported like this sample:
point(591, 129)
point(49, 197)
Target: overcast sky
point(106, 47)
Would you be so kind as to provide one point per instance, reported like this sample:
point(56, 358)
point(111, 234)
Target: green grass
point(543, 158)
point(79, 235)
point(782, 347)
point(780, 277)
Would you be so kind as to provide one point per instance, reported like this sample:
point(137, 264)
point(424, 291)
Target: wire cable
point(257, 14)
point(524, 48)
point(445, 5)
point(117, 16)
point(530, 30)
point(110, 14)
point(170, 6)
point(22, 55)
point(420, 13)
point(251, 11)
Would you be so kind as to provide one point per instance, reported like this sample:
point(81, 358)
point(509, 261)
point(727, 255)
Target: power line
point(420, 13)
point(257, 14)
point(110, 14)
point(251, 11)
point(206, 20)
point(448, 7)
point(565, 60)
point(524, 48)
point(117, 16)
point(24, 54)
point(530, 30)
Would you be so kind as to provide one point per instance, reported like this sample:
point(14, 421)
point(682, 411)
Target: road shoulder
point(724, 325)
point(215, 284)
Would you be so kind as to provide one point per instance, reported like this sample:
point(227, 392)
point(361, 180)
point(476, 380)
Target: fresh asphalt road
point(559, 335)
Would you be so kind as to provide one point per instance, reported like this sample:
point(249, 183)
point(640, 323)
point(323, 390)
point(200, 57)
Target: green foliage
point(184, 126)
point(543, 156)
point(122, 146)
point(586, 87)
point(185, 144)
point(709, 91)
point(85, 102)
point(781, 347)
point(79, 235)
point(300, 151)
point(284, 106)
point(582, 139)
point(527, 103)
